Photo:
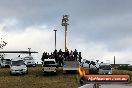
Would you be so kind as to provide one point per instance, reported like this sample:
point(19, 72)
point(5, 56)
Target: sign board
point(104, 79)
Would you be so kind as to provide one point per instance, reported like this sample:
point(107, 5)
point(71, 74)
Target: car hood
point(18, 67)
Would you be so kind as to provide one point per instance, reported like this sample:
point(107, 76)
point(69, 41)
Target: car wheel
point(11, 73)
point(27, 72)
point(44, 73)
point(34, 65)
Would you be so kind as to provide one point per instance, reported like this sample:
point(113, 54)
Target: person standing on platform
point(75, 53)
point(55, 56)
point(80, 57)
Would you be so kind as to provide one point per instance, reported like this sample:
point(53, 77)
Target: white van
point(105, 68)
point(18, 66)
point(29, 61)
point(49, 66)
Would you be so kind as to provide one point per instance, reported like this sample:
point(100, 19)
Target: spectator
point(46, 56)
point(43, 56)
point(71, 55)
point(60, 52)
point(59, 60)
point(55, 56)
point(80, 57)
point(67, 55)
point(75, 53)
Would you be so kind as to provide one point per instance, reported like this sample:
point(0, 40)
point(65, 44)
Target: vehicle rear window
point(49, 62)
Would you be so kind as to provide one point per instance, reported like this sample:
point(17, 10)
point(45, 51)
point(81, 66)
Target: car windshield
point(18, 63)
point(105, 67)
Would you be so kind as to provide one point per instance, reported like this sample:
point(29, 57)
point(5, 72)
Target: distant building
point(118, 65)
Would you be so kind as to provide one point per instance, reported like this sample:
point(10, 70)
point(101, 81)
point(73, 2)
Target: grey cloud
point(99, 21)
point(110, 31)
point(49, 11)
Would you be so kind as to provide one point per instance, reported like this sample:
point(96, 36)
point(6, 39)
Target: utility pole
point(29, 51)
point(65, 24)
point(114, 60)
point(55, 39)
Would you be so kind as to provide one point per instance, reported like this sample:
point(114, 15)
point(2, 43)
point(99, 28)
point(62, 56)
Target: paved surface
point(108, 86)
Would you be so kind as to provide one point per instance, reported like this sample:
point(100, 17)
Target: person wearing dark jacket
point(43, 56)
point(80, 57)
point(56, 56)
point(75, 53)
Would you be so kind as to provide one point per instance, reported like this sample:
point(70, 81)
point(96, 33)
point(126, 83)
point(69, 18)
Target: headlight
point(25, 69)
point(109, 73)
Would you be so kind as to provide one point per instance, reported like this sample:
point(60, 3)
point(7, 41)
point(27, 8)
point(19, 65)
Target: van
point(18, 66)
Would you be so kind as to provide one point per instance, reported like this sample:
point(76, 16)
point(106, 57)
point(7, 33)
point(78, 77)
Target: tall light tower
point(65, 24)
point(55, 38)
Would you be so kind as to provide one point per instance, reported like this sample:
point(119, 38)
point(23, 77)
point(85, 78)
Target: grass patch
point(35, 79)
point(123, 72)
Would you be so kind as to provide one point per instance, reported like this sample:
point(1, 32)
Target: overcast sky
point(100, 29)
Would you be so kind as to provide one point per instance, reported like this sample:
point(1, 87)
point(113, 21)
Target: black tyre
point(11, 73)
point(82, 80)
point(27, 72)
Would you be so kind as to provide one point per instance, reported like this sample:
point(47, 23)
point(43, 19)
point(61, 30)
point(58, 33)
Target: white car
point(29, 61)
point(5, 62)
point(18, 66)
point(49, 66)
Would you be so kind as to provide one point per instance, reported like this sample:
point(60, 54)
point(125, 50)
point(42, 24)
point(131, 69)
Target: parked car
point(29, 61)
point(5, 63)
point(18, 66)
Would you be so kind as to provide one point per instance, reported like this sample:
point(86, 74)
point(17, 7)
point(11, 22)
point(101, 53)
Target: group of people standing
point(60, 56)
